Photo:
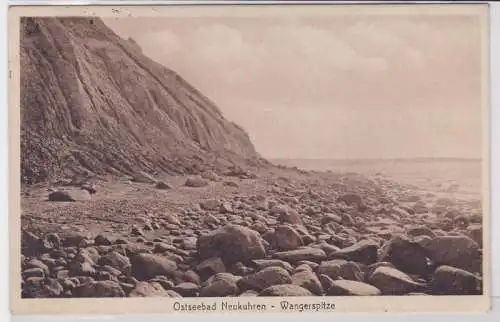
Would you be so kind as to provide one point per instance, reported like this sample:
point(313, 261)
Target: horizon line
point(377, 159)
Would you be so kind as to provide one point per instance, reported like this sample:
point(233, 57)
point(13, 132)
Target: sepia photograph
point(225, 156)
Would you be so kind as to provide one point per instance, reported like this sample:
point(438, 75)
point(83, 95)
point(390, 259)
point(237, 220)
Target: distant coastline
point(371, 160)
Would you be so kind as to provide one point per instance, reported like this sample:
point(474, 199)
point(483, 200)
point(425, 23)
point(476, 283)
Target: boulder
point(69, 195)
point(475, 232)
point(118, 261)
point(406, 255)
point(457, 251)
point(285, 290)
point(391, 281)
point(352, 199)
point(328, 218)
point(161, 185)
point(341, 269)
point(99, 289)
point(287, 238)
point(226, 208)
point(187, 289)
point(33, 272)
point(415, 231)
point(81, 269)
point(264, 278)
point(352, 288)
point(196, 182)
point(210, 204)
point(51, 241)
point(290, 216)
point(145, 289)
point(249, 293)
point(146, 266)
point(220, 285)
point(301, 254)
point(31, 244)
point(102, 240)
point(38, 264)
point(232, 243)
point(263, 263)
point(91, 188)
point(365, 251)
point(307, 279)
point(449, 280)
point(210, 267)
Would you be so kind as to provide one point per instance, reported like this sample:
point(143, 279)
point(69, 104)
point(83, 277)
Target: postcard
point(249, 159)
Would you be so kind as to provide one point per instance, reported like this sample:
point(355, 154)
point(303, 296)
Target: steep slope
point(91, 102)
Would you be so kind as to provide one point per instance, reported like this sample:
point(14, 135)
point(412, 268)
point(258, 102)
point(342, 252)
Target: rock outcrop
point(92, 103)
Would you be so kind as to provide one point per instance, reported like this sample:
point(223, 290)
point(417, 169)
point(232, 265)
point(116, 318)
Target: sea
point(459, 178)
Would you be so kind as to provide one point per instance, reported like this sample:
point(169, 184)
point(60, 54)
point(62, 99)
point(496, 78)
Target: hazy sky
point(331, 87)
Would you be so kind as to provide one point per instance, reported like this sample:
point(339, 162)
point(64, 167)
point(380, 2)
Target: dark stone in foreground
point(391, 281)
point(146, 266)
point(349, 288)
point(406, 256)
point(301, 254)
point(365, 251)
point(449, 280)
point(99, 289)
point(266, 277)
point(69, 196)
point(285, 290)
point(232, 243)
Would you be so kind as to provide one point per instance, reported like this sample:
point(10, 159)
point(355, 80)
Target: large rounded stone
point(232, 243)
point(146, 266)
point(285, 290)
point(145, 289)
point(393, 282)
point(449, 280)
point(302, 254)
point(457, 251)
point(262, 279)
point(116, 260)
point(287, 238)
point(220, 285)
point(348, 288)
point(99, 289)
point(308, 280)
point(406, 255)
point(365, 251)
point(340, 268)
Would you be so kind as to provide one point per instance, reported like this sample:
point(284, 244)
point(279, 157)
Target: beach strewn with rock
point(135, 185)
point(282, 233)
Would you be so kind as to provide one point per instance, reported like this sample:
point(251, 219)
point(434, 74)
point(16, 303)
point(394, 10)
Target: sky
point(349, 86)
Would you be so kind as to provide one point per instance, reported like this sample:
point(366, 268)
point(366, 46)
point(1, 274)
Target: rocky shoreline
point(284, 233)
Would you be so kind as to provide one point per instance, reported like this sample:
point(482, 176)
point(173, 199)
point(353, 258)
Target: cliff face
point(91, 102)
